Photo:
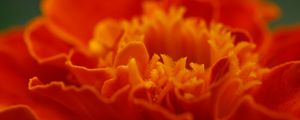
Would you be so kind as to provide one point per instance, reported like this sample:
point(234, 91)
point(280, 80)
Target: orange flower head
point(157, 60)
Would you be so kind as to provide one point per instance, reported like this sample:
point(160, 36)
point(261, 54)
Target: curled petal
point(86, 76)
point(136, 50)
point(48, 50)
point(43, 45)
point(16, 66)
point(241, 35)
point(75, 20)
point(85, 102)
point(111, 86)
point(77, 58)
point(86, 72)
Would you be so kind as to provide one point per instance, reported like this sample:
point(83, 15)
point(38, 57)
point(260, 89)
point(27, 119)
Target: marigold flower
point(139, 60)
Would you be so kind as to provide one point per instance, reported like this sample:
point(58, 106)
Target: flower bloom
point(139, 60)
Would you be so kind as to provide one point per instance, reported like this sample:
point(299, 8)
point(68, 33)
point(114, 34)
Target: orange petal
point(75, 20)
point(136, 50)
point(79, 59)
point(42, 44)
point(17, 112)
point(110, 87)
point(135, 76)
point(88, 76)
point(85, 102)
point(284, 47)
point(13, 89)
point(280, 90)
point(47, 49)
point(106, 37)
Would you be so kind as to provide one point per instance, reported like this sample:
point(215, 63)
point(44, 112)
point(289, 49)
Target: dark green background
point(18, 12)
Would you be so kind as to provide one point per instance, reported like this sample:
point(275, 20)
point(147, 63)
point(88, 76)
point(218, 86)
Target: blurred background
point(19, 12)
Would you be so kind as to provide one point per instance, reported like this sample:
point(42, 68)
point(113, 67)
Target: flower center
point(189, 49)
point(171, 34)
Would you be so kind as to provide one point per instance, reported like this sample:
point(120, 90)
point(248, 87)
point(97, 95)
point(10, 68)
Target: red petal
point(49, 50)
point(241, 35)
point(43, 45)
point(13, 49)
point(248, 15)
point(75, 20)
point(17, 112)
point(219, 70)
point(280, 90)
point(200, 8)
point(249, 110)
point(205, 9)
point(283, 47)
point(16, 66)
point(89, 76)
point(227, 97)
